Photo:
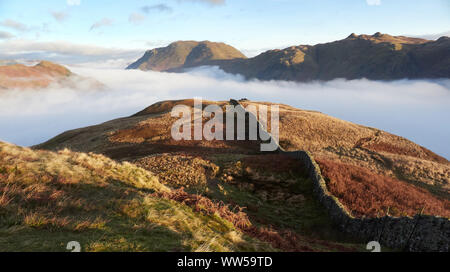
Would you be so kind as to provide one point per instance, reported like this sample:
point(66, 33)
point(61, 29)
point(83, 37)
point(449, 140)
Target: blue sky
point(251, 26)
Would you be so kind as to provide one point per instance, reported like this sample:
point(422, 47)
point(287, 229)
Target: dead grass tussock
point(273, 163)
point(208, 232)
point(393, 165)
point(284, 240)
point(69, 167)
point(425, 171)
point(179, 170)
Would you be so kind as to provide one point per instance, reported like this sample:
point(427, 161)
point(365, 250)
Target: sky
point(93, 30)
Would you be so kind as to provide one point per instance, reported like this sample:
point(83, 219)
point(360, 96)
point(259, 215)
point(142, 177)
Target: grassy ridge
point(48, 199)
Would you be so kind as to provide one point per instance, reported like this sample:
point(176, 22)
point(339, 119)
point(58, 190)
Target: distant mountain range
point(376, 57)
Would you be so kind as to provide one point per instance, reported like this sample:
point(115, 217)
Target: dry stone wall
point(419, 233)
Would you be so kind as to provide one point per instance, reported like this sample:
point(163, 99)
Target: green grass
point(136, 223)
point(48, 199)
point(162, 226)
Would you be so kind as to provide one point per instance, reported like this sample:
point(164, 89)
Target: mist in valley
point(416, 109)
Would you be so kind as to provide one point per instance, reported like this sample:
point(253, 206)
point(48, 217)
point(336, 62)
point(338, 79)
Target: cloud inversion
point(416, 109)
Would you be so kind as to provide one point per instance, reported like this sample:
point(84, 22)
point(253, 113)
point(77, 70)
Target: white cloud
point(433, 36)
point(73, 2)
point(136, 18)
point(211, 2)
point(59, 16)
point(67, 48)
point(68, 53)
point(373, 2)
point(14, 25)
point(159, 8)
point(103, 22)
point(415, 109)
point(5, 35)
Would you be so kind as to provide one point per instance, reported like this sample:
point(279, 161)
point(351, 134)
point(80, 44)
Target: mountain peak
point(443, 38)
point(185, 54)
point(54, 68)
point(41, 75)
point(377, 35)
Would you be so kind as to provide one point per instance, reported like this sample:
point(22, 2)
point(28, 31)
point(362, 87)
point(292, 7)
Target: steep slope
point(185, 54)
point(48, 199)
point(377, 57)
point(41, 75)
point(385, 156)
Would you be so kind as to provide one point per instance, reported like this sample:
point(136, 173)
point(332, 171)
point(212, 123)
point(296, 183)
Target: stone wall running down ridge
point(418, 233)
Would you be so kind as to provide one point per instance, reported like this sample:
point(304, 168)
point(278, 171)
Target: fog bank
point(416, 109)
